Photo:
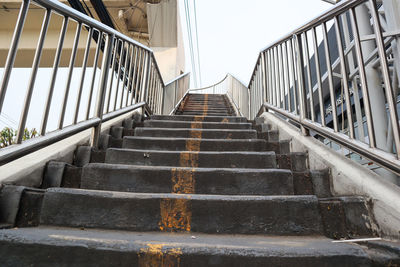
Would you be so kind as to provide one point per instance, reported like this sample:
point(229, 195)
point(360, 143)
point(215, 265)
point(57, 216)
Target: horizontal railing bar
point(385, 34)
point(210, 86)
point(376, 155)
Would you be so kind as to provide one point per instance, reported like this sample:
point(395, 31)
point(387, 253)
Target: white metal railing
point(340, 72)
point(174, 91)
point(234, 88)
point(129, 78)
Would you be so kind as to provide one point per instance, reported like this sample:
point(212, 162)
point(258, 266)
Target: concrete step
point(204, 108)
point(197, 133)
point(183, 144)
point(257, 160)
point(200, 113)
point(199, 118)
point(125, 178)
point(210, 106)
point(194, 109)
point(201, 125)
point(272, 215)
point(44, 246)
point(207, 112)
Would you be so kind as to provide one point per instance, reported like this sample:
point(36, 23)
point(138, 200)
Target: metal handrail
point(234, 88)
point(177, 78)
point(129, 78)
point(210, 86)
point(282, 82)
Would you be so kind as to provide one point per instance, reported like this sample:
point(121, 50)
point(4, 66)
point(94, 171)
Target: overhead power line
point(189, 30)
point(197, 41)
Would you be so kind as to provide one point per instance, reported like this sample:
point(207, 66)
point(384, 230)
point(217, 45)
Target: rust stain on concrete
point(183, 181)
point(155, 255)
point(176, 215)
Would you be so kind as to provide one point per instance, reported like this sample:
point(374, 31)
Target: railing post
point(105, 67)
point(301, 86)
point(146, 77)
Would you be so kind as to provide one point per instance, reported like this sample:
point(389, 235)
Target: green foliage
point(8, 136)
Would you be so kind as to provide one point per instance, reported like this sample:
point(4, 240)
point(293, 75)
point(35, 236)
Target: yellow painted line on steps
point(154, 255)
point(176, 214)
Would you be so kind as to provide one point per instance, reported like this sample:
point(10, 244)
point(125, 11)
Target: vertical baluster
point(139, 66)
point(265, 77)
point(53, 77)
point(330, 78)
point(12, 53)
point(310, 86)
point(82, 80)
point(125, 74)
point(105, 67)
point(115, 41)
point(293, 69)
point(282, 78)
point(301, 84)
point(287, 77)
point(146, 73)
point(271, 80)
point(318, 74)
point(276, 83)
point(96, 59)
point(133, 75)
point(363, 80)
point(70, 71)
point(135, 66)
point(128, 79)
point(121, 56)
point(278, 73)
point(343, 68)
point(35, 66)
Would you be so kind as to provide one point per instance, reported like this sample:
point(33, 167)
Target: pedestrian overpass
point(299, 166)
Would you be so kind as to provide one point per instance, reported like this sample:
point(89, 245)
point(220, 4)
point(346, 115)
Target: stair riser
point(205, 113)
point(202, 118)
point(156, 212)
point(201, 125)
point(205, 144)
point(187, 133)
point(192, 159)
point(199, 181)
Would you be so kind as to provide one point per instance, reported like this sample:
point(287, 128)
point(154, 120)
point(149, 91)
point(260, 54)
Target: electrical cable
point(197, 41)
point(189, 27)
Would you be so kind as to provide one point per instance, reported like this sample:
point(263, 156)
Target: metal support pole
point(301, 86)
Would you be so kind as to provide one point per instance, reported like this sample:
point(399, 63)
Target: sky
point(232, 32)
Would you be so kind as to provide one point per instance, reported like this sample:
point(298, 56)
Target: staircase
point(200, 188)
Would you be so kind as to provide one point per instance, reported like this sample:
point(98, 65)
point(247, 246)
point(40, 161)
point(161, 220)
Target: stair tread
point(199, 129)
point(287, 246)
